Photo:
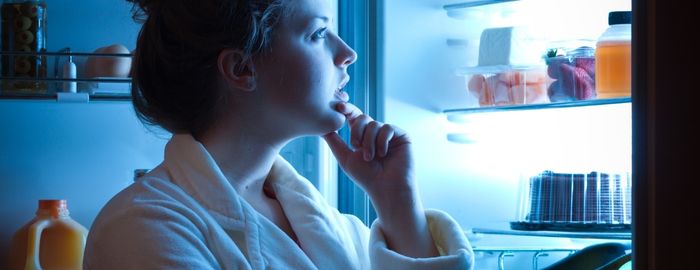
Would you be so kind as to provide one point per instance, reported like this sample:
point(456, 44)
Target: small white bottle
point(70, 72)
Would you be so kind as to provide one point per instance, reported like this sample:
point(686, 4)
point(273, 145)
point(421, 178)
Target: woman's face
point(301, 77)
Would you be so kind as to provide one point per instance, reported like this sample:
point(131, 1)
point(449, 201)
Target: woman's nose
point(345, 55)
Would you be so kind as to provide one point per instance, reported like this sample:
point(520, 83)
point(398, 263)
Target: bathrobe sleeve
point(318, 222)
point(455, 250)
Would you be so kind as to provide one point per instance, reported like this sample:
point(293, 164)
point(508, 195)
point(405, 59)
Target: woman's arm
point(381, 163)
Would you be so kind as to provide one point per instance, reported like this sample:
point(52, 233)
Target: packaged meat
point(507, 86)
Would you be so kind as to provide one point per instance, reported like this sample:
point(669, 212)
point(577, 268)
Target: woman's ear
point(236, 68)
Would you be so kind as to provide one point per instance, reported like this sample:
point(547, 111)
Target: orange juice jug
point(52, 240)
point(613, 57)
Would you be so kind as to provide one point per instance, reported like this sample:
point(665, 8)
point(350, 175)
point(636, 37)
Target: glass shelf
point(456, 10)
point(454, 114)
point(47, 80)
point(560, 234)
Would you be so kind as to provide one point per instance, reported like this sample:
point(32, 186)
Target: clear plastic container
point(507, 85)
point(614, 57)
point(573, 75)
point(595, 201)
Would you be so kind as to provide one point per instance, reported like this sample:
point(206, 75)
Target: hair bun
point(141, 9)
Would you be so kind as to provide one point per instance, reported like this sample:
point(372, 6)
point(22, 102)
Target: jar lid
point(583, 51)
point(619, 17)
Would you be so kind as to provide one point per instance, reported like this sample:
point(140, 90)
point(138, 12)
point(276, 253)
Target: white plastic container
point(511, 68)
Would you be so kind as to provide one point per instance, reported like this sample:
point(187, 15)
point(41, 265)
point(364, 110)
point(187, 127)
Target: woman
point(234, 81)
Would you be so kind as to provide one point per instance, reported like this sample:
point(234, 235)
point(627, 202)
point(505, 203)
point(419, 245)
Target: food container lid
point(619, 17)
point(495, 69)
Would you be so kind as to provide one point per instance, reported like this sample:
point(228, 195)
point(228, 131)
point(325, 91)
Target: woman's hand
point(381, 161)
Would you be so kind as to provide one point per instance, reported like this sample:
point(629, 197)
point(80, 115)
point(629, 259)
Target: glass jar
point(23, 36)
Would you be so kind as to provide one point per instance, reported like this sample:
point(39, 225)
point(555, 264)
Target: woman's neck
point(244, 156)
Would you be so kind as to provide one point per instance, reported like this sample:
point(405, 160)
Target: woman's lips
point(339, 93)
point(342, 95)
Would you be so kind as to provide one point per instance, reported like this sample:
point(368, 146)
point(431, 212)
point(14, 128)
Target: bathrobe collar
point(192, 168)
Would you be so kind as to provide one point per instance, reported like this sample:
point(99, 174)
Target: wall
point(85, 25)
point(82, 152)
point(85, 152)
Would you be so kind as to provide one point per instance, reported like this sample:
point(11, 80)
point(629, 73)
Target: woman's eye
point(320, 33)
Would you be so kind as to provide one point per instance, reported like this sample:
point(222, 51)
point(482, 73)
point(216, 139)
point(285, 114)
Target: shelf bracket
point(73, 97)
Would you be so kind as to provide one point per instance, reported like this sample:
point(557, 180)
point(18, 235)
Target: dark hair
point(174, 69)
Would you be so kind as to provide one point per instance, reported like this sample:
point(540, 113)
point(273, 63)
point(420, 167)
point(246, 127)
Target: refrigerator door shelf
point(51, 83)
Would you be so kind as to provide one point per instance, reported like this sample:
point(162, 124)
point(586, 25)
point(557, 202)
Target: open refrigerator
point(416, 59)
point(530, 181)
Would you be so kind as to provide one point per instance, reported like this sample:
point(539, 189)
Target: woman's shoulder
point(146, 223)
point(146, 202)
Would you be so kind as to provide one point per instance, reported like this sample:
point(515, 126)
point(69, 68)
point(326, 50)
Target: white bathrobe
point(196, 220)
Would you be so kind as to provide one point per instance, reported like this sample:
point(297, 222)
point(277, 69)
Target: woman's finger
point(338, 147)
point(369, 139)
point(384, 136)
point(357, 129)
point(350, 111)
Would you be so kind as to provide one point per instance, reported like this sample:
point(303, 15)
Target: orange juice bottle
point(52, 240)
point(613, 57)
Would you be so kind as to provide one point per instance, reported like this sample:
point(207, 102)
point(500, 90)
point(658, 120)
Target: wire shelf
point(46, 80)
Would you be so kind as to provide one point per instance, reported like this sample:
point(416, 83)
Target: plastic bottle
point(52, 240)
point(613, 57)
point(70, 72)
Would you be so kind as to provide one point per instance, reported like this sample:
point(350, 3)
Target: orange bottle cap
point(55, 208)
point(51, 204)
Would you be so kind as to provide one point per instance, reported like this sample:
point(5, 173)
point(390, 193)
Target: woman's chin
point(333, 123)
